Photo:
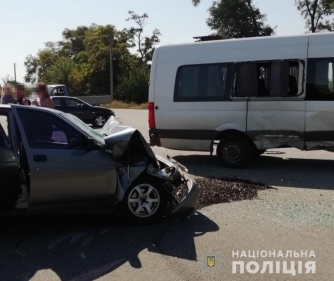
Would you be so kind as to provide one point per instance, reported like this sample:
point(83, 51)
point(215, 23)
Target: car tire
point(234, 151)
point(100, 120)
point(145, 201)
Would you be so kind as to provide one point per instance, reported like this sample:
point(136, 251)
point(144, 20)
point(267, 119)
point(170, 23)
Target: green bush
point(134, 86)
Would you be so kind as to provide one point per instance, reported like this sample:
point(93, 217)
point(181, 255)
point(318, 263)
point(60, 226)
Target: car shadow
point(88, 247)
point(266, 169)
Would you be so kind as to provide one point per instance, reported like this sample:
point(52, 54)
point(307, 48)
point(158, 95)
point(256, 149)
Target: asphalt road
point(296, 216)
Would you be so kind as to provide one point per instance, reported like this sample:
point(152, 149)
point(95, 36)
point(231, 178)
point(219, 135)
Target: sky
point(27, 24)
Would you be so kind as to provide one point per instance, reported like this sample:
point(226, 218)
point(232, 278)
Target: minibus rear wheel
point(234, 151)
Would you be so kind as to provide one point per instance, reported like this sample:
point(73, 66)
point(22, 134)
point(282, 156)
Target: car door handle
point(40, 158)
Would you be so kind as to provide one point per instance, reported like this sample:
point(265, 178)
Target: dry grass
point(125, 105)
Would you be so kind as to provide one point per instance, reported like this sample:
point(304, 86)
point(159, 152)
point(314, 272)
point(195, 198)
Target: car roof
point(32, 107)
point(64, 97)
point(5, 106)
point(56, 85)
point(67, 97)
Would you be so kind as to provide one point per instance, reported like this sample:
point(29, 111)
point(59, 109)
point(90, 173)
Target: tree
point(81, 60)
point(196, 2)
point(144, 44)
point(237, 19)
point(133, 87)
point(37, 65)
point(9, 80)
point(316, 14)
point(60, 72)
point(74, 42)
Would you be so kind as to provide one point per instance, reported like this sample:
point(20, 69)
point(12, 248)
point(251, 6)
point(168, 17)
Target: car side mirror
point(89, 144)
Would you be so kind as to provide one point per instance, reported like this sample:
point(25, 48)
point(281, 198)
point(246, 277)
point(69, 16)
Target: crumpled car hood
point(126, 143)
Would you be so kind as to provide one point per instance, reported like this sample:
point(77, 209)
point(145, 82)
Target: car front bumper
point(176, 178)
point(189, 202)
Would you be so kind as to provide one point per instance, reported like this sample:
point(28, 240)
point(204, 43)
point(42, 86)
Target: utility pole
point(111, 38)
point(15, 72)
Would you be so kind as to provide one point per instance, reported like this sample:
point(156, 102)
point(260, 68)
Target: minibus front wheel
point(234, 151)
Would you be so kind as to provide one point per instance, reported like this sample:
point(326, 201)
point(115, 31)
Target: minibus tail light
point(151, 117)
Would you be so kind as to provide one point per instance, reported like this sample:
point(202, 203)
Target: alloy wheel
point(144, 200)
point(100, 120)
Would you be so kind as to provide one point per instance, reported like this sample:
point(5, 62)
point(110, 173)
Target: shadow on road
point(88, 247)
point(274, 171)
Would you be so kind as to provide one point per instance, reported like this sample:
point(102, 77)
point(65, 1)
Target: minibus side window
point(268, 79)
point(246, 84)
point(204, 82)
point(320, 79)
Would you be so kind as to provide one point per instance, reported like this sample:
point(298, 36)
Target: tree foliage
point(238, 19)
point(144, 44)
point(134, 85)
point(9, 80)
point(317, 14)
point(81, 60)
point(196, 2)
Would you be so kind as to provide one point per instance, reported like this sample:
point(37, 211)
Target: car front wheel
point(145, 201)
point(99, 120)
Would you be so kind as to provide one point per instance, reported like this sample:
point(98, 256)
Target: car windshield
point(84, 127)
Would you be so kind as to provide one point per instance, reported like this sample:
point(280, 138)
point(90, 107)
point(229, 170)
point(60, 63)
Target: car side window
point(56, 102)
point(54, 92)
point(44, 130)
point(73, 103)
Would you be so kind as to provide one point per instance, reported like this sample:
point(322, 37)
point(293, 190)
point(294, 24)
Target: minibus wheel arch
point(236, 133)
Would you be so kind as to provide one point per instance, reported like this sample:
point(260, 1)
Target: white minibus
point(244, 95)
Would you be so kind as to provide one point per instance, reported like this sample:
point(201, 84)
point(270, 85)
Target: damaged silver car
point(52, 162)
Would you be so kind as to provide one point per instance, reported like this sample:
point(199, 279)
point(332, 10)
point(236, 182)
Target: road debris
point(219, 190)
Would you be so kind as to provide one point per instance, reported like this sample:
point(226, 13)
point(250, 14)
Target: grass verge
point(125, 105)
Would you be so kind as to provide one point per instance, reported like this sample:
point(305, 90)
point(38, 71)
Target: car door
point(9, 164)
point(79, 109)
point(62, 170)
point(59, 104)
